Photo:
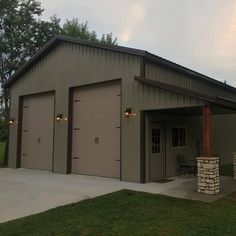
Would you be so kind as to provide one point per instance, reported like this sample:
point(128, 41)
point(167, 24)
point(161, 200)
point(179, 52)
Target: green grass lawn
point(2, 150)
point(131, 213)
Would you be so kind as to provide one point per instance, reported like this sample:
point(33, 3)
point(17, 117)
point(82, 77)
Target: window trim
point(186, 139)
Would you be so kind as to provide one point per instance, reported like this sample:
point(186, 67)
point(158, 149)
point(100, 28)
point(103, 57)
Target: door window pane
point(156, 140)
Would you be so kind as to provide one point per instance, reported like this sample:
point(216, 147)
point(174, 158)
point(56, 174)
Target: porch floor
point(186, 187)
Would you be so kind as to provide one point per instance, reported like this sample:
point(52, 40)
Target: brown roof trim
point(224, 102)
point(146, 56)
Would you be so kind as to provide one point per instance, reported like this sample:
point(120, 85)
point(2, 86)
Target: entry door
point(96, 130)
point(37, 132)
point(157, 151)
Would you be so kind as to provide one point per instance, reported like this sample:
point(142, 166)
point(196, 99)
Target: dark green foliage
point(108, 39)
point(3, 130)
point(2, 152)
point(131, 213)
point(76, 29)
point(22, 33)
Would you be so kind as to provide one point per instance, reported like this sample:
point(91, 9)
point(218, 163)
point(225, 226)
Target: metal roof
point(142, 53)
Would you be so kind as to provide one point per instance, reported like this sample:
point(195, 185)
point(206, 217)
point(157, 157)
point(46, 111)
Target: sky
point(198, 34)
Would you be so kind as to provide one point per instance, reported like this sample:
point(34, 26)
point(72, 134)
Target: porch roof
point(220, 105)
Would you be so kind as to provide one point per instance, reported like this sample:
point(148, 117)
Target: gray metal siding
point(224, 137)
point(165, 75)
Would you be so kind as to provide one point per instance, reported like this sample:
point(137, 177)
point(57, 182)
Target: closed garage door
point(37, 132)
point(96, 130)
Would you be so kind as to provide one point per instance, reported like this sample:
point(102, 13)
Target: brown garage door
point(37, 132)
point(96, 130)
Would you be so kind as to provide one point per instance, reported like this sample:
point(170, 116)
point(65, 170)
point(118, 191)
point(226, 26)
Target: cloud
point(136, 14)
point(227, 45)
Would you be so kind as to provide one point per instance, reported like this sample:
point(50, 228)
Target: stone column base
point(234, 164)
point(208, 175)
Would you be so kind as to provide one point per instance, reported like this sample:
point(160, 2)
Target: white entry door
point(157, 151)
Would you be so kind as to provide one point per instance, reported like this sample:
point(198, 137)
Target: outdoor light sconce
point(129, 113)
point(60, 117)
point(12, 121)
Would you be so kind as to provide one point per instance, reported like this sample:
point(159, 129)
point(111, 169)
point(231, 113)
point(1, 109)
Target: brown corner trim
point(69, 138)
point(19, 132)
point(142, 148)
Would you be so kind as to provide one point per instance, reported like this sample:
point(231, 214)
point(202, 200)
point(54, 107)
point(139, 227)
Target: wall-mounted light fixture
point(60, 117)
point(12, 121)
point(129, 113)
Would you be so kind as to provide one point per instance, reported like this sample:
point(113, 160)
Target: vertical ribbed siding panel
point(155, 98)
point(162, 74)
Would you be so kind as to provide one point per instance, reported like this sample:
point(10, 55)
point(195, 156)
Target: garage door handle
point(118, 160)
point(75, 157)
point(24, 155)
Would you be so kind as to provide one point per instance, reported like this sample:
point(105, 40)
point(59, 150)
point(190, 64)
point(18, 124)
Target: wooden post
point(207, 145)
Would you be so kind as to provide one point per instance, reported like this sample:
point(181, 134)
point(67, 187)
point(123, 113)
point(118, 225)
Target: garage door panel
point(97, 136)
point(100, 105)
point(88, 124)
point(111, 152)
point(96, 92)
point(37, 132)
point(96, 130)
point(104, 115)
point(97, 167)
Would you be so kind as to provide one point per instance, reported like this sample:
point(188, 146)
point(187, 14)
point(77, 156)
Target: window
point(178, 137)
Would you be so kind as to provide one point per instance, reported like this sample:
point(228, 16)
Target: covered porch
point(205, 135)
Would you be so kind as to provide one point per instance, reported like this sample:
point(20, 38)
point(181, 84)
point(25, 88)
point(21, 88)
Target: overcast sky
point(198, 34)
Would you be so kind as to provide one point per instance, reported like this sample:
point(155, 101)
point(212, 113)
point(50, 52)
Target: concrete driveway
point(25, 192)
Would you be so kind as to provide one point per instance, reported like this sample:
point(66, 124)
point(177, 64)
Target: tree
point(23, 33)
point(108, 39)
point(81, 30)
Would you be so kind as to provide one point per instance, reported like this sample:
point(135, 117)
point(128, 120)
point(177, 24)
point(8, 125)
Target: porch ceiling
point(194, 111)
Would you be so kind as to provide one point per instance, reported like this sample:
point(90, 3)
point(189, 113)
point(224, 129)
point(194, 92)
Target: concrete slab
point(25, 192)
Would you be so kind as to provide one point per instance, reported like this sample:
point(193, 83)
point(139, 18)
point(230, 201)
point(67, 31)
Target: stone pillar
point(208, 175)
point(234, 164)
